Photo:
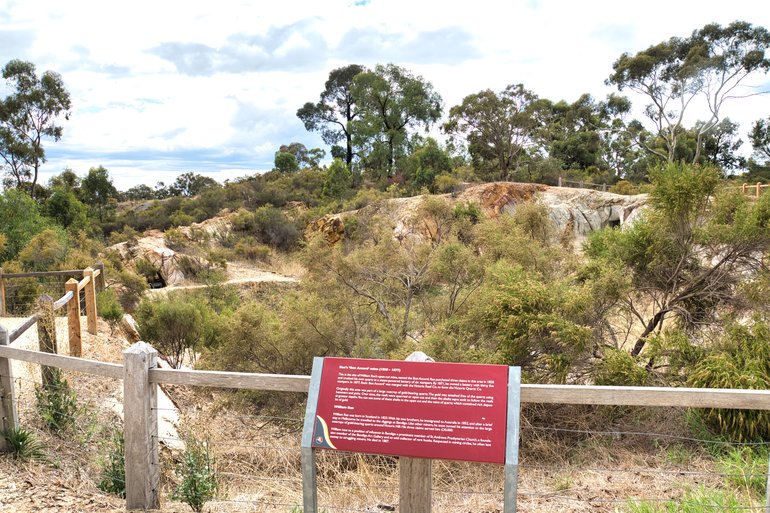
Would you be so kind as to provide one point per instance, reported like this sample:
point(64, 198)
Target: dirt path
point(237, 273)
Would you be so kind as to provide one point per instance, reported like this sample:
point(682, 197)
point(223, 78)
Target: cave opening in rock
point(613, 223)
point(157, 282)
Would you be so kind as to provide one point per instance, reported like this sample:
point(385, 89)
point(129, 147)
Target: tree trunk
point(642, 340)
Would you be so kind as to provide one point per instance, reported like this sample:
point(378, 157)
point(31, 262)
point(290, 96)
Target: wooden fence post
point(140, 427)
point(759, 188)
point(9, 417)
point(99, 266)
point(73, 318)
point(415, 477)
point(3, 310)
point(414, 485)
point(90, 293)
point(560, 181)
point(46, 334)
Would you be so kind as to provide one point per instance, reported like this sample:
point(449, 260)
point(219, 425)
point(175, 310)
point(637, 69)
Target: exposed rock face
point(585, 211)
point(579, 211)
point(152, 247)
point(330, 226)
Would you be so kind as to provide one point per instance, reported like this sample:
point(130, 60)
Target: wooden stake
point(414, 486)
point(90, 293)
point(9, 418)
point(73, 318)
point(46, 334)
point(140, 427)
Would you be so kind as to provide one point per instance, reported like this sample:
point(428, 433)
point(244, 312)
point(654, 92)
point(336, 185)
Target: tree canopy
point(334, 112)
point(392, 102)
point(27, 116)
point(711, 65)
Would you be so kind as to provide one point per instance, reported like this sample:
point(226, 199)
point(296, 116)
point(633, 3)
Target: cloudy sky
point(164, 87)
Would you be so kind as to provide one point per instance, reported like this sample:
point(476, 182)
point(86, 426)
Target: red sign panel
point(424, 410)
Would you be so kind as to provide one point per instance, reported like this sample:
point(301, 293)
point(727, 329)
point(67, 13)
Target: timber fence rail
point(19, 291)
point(752, 190)
point(580, 184)
point(246, 462)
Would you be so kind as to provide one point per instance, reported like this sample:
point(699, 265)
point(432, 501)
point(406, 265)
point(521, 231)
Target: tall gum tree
point(392, 103)
point(334, 112)
point(498, 127)
point(28, 115)
point(711, 67)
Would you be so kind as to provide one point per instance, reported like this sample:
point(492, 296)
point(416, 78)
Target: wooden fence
point(93, 280)
point(581, 184)
point(753, 190)
point(141, 378)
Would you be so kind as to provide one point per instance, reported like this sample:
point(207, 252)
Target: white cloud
point(156, 85)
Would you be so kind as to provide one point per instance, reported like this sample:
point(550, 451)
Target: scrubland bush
point(741, 359)
point(177, 327)
point(109, 308)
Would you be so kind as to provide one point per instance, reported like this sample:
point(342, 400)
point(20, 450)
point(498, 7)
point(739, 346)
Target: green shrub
point(250, 249)
point(197, 476)
point(133, 287)
point(57, 403)
point(624, 187)
point(242, 221)
point(113, 474)
point(180, 218)
point(176, 327)
point(109, 308)
point(175, 238)
point(740, 360)
point(620, 369)
point(24, 445)
point(274, 228)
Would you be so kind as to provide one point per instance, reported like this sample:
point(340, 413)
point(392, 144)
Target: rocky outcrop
point(578, 210)
point(575, 212)
point(152, 249)
point(331, 227)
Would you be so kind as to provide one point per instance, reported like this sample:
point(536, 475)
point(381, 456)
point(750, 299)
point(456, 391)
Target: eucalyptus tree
point(498, 127)
point(392, 104)
point(760, 137)
point(29, 114)
point(334, 112)
point(708, 68)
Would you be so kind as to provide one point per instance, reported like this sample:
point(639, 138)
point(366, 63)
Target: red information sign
point(424, 410)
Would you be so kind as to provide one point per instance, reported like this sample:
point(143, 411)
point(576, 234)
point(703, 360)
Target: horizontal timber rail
point(530, 393)
point(15, 334)
point(43, 274)
point(108, 370)
point(240, 380)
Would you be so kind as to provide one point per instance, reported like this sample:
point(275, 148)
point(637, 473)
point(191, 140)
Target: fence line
point(582, 184)
point(752, 190)
point(141, 378)
point(97, 273)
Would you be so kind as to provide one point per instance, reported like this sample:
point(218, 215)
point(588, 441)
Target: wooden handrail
point(240, 380)
point(15, 334)
point(551, 394)
point(42, 274)
point(109, 370)
point(63, 300)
